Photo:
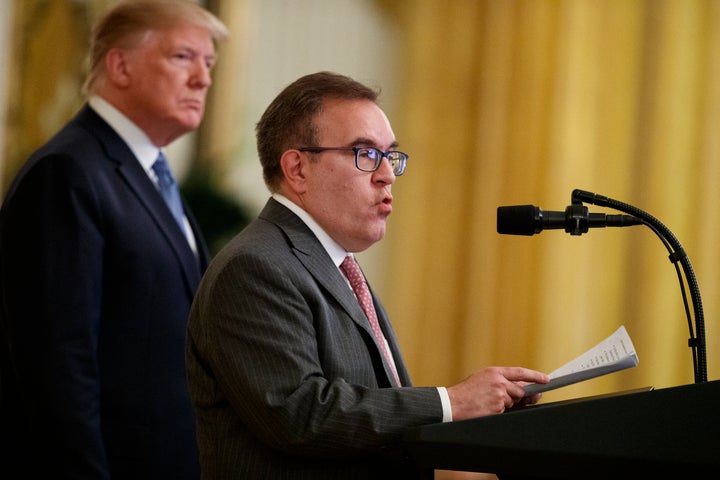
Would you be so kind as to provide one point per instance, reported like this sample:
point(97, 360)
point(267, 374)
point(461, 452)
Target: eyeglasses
point(368, 159)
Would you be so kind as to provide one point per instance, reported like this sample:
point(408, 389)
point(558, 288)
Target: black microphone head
point(519, 220)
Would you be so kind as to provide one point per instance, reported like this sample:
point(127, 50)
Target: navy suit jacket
point(284, 373)
point(97, 281)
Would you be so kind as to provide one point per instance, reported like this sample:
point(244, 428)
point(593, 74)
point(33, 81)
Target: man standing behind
point(292, 375)
point(97, 271)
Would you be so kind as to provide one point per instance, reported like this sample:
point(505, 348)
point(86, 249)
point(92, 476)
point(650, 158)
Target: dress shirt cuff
point(445, 400)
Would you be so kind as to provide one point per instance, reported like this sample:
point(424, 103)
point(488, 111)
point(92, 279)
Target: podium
point(663, 432)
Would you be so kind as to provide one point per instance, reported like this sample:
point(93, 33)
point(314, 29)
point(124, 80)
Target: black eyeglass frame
point(398, 168)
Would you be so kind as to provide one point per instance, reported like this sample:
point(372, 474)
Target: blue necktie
point(169, 189)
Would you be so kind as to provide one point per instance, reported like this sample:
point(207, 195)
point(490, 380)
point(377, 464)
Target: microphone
point(575, 220)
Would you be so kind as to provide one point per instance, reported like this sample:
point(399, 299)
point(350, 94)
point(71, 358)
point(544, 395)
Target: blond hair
point(125, 24)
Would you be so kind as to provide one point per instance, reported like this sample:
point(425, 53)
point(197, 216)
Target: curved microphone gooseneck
point(677, 254)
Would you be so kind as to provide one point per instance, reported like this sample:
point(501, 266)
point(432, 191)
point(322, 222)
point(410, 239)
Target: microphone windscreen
point(517, 220)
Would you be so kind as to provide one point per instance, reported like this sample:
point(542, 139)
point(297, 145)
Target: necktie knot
point(169, 189)
point(162, 170)
point(352, 271)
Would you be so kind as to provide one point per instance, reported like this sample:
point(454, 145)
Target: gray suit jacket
point(284, 375)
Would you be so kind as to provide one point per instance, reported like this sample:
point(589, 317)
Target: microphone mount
point(578, 220)
point(575, 220)
point(528, 220)
point(696, 342)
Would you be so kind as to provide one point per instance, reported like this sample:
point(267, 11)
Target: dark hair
point(288, 122)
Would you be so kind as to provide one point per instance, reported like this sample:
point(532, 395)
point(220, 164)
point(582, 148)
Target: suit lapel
point(310, 252)
point(137, 180)
point(387, 329)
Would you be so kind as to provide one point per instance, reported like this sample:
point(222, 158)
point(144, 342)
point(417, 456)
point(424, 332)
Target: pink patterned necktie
point(357, 281)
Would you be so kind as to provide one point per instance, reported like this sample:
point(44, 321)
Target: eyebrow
point(367, 141)
point(212, 57)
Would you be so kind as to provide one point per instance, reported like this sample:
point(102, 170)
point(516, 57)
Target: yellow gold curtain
point(503, 102)
point(510, 102)
point(48, 51)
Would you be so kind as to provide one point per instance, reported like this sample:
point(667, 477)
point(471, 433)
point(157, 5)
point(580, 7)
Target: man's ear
point(116, 67)
point(293, 163)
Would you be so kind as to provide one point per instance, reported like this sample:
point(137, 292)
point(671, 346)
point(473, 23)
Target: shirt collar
point(133, 136)
point(336, 252)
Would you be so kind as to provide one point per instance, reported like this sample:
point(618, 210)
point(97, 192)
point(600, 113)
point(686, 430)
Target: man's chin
point(191, 118)
point(192, 123)
point(187, 125)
